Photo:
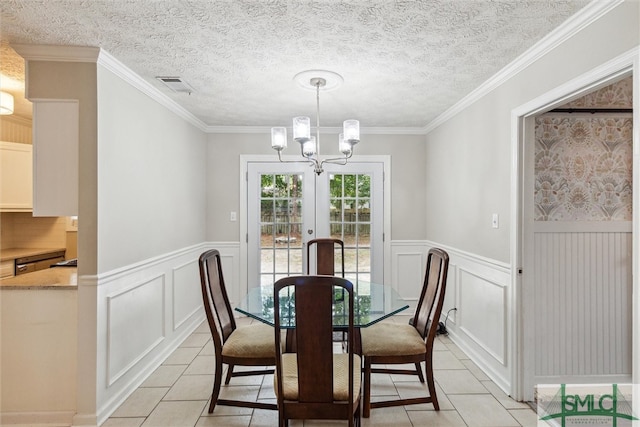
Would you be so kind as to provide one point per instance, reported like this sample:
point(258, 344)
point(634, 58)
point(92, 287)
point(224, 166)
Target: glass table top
point(373, 303)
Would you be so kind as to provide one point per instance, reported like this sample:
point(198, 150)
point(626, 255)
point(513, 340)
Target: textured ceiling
point(403, 62)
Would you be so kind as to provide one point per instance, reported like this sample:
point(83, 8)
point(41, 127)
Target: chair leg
point(419, 372)
point(366, 398)
point(430, 382)
point(230, 374)
point(217, 379)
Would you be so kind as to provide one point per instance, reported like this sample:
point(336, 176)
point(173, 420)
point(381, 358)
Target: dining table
point(373, 302)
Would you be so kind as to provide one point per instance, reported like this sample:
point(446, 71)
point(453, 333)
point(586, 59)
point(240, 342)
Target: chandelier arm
point(336, 160)
point(311, 162)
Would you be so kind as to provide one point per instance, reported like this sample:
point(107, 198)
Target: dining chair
point(315, 382)
point(251, 345)
point(325, 255)
point(389, 343)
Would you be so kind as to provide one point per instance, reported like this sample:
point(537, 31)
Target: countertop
point(50, 278)
point(13, 253)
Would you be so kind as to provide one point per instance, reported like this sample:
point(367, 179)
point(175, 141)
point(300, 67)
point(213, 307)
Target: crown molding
point(336, 130)
point(57, 53)
point(125, 73)
point(592, 12)
point(103, 58)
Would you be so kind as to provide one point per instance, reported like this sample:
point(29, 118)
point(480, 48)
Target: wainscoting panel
point(483, 313)
point(145, 311)
point(134, 329)
point(187, 293)
point(582, 303)
point(410, 275)
point(477, 302)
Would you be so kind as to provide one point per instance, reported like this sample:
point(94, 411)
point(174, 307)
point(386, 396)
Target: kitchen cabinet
point(55, 157)
point(6, 268)
point(16, 177)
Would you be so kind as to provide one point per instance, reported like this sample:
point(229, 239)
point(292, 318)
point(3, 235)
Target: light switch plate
point(494, 220)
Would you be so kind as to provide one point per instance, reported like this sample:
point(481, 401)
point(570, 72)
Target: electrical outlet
point(233, 216)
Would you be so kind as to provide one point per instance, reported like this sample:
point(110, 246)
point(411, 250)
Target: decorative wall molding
point(116, 274)
point(185, 304)
point(478, 288)
point(583, 226)
point(163, 296)
point(125, 73)
point(363, 130)
point(133, 334)
point(485, 324)
point(57, 53)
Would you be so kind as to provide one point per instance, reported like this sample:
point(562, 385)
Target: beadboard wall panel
point(16, 130)
point(582, 303)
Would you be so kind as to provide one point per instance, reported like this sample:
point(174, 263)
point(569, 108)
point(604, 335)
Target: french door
point(288, 205)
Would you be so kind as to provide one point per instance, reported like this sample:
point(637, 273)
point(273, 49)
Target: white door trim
point(624, 64)
point(246, 158)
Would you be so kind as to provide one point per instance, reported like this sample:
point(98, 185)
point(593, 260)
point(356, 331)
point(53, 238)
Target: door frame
point(245, 159)
point(521, 234)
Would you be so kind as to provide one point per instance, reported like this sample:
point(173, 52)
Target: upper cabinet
point(55, 158)
point(16, 182)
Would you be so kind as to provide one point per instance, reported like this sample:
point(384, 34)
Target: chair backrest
point(326, 255)
point(214, 296)
point(313, 336)
point(432, 297)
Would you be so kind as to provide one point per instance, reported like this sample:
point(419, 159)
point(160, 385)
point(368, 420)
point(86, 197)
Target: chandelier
point(310, 145)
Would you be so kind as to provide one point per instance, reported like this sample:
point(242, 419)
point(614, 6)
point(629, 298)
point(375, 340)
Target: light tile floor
point(177, 394)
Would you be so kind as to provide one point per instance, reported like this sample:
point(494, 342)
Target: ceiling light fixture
point(310, 145)
point(6, 103)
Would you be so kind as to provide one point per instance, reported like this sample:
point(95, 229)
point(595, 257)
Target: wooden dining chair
point(314, 382)
point(326, 255)
point(389, 343)
point(251, 345)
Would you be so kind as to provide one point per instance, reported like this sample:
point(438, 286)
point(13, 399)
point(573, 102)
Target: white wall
point(151, 176)
point(142, 214)
point(469, 156)
point(469, 167)
point(407, 177)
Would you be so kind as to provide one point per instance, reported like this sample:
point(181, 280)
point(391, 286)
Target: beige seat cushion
point(388, 339)
point(251, 341)
point(340, 379)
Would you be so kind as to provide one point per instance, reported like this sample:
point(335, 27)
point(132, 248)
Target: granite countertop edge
point(58, 278)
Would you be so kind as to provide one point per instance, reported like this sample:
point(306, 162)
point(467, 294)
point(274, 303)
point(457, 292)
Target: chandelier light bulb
point(309, 147)
point(352, 131)
point(301, 129)
point(6, 103)
point(279, 138)
point(343, 146)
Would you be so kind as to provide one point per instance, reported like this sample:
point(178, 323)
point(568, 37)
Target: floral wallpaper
point(583, 163)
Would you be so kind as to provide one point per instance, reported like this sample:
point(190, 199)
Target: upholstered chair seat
point(388, 339)
point(340, 376)
point(252, 341)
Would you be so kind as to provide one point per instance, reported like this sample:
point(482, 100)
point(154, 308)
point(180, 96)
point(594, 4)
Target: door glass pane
point(280, 227)
point(350, 221)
